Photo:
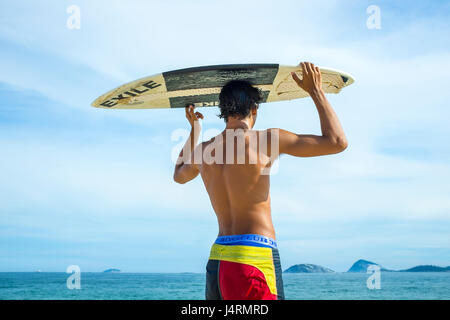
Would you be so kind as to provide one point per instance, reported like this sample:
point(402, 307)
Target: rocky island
point(361, 266)
point(427, 268)
point(307, 268)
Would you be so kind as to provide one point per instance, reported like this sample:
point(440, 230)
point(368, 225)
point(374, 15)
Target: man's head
point(239, 100)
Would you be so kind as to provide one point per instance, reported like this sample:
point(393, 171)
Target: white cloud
point(97, 178)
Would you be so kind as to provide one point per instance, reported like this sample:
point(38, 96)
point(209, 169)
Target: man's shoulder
point(271, 132)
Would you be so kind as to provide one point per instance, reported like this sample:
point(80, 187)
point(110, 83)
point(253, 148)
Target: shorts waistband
point(255, 240)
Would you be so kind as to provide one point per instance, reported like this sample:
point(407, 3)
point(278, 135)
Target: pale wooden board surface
point(201, 86)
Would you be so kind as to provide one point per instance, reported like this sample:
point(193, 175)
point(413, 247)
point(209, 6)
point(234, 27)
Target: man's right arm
point(332, 140)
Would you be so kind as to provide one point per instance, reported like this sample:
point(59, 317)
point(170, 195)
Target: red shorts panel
point(238, 281)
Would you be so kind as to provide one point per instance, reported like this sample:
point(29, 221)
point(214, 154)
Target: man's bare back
point(239, 193)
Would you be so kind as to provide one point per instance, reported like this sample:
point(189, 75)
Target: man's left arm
point(186, 169)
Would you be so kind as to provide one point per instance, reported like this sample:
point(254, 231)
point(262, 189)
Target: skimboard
point(201, 86)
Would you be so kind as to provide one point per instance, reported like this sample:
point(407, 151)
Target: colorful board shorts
point(244, 267)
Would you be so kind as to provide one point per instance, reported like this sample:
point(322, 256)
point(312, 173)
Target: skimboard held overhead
point(201, 86)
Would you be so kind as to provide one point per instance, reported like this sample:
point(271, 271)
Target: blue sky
point(94, 187)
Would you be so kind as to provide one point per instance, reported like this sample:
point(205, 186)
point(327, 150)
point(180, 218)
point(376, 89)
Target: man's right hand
point(192, 116)
point(312, 79)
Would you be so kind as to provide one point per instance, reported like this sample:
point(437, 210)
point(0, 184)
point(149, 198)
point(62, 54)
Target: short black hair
point(237, 98)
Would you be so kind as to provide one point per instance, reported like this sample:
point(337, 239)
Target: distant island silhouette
point(308, 268)
point(427, 268)
point(360, 266)
point(112, 270)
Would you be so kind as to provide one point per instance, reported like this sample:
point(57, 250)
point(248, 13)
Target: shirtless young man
point(244, 262)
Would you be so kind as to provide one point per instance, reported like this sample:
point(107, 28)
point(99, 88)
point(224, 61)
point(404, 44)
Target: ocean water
point(28, 285)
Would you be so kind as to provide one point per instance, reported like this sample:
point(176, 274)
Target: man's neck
point(233, 123)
